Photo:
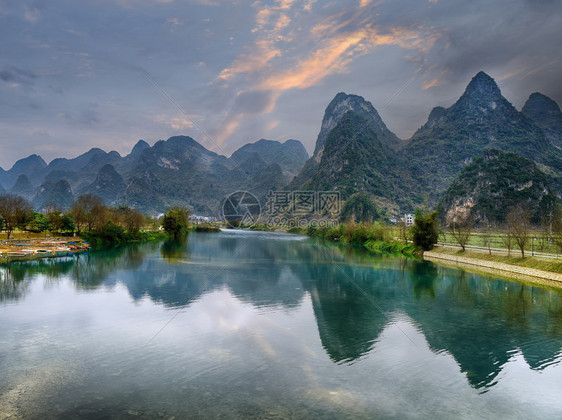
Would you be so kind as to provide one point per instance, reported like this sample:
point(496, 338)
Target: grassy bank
point(546, 264)
point(538, 241)
point(115, 236)
point(205, 228)
point(374, 237)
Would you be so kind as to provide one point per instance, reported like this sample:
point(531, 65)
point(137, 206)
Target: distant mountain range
point(355, 153)
point(178, 171)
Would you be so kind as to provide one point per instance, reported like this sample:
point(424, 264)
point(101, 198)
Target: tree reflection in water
point(481, 321)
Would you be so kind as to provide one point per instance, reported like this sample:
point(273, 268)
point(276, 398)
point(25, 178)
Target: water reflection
point(174, 250)
point(482, 322)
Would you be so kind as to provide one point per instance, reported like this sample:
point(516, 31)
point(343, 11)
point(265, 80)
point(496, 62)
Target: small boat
point(44, 252)
point(62, 251)
point(20, 253)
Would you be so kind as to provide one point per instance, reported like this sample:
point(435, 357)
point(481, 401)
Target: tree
point(487, 238)
point(130, 218)
point(424, 231)
point(152, 223)
point(461, 227)
point(54, 215)
point(67, 224)
point(507, 240)
point(88, 211)
point(175, 221)
point(40, 223)
point(403, 230)
point(134, 220)
point(16, 211)
point(556, 232)
point(518, 225)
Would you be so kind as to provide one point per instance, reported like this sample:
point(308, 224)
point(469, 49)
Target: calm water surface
point(263, 325)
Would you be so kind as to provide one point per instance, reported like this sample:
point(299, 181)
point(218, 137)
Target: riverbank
point(25, 249)
point(38, 248)
point(375, 238)
point(489, 264)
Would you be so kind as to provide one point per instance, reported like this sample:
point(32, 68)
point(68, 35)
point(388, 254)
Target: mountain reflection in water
point(481, 321)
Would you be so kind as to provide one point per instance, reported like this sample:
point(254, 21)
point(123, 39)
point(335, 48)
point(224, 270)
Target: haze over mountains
point(355, 152)
point(178, 171)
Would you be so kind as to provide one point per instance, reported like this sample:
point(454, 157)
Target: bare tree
point(129, 218)
point(507, 240)
point(460, 227)
point(487, 238)
point(16, 211)
point(556, 232)
point(547, 221)
point(134, 220)
point(403, 229)
point(519, 224)
point(88, 211)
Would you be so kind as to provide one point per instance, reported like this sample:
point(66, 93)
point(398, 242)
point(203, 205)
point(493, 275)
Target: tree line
point(516, 233)
point(87, 214)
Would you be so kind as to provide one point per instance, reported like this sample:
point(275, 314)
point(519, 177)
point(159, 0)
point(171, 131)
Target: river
point(264, 325)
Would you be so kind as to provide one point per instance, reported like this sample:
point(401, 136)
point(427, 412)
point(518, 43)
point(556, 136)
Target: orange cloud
point(271, 125)
point(431, 83)
point(308, 5)
point(327, 48)
point(335, 55)
point(176, 123)
point(229, 129)
point(285, 4)
point(252, 62)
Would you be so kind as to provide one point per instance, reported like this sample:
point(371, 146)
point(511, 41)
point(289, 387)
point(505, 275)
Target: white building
point(409, 219)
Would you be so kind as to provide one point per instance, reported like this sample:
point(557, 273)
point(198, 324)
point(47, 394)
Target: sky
point(81, 74)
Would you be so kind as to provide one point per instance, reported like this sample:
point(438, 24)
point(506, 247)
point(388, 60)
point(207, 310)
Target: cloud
point(254, 102)
point(32, 14)
point(175, 123)
point(284, 56)
point(229, 129)
point(88, 116)
point(174, 21)
point(436, 81)
point(16, 75)
point(287, 60)
point(263, 52)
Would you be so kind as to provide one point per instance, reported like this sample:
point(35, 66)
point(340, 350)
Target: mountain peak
point(482, 100)
point(540, 104)
point(546, 113)
point(290, 155)
point(483, 85)
point(22, 185)
point(58, 194)
point(139, 147)
point(32, 162)
point(338, 107)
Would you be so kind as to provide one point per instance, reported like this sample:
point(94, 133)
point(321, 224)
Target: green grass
point(105, 237)
point(374, 237)
point(546, 264)
point(206, 228)
point(541, 244)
